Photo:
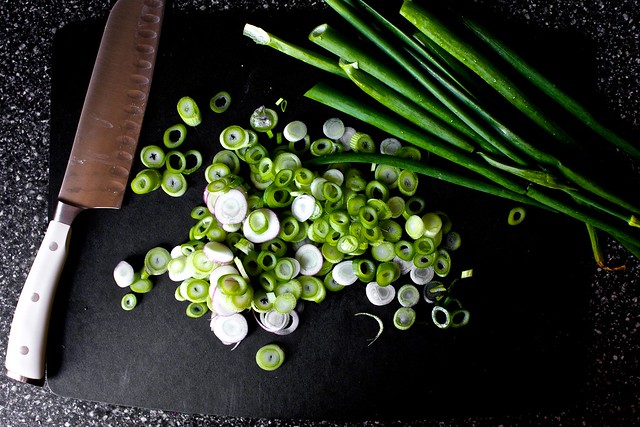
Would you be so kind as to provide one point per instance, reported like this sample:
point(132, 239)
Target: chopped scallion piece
point(220, 102)
point(404, 318)
point(152, 156)
point(128, 302)
point(174, 136)
point(189, 111)
point(270, 357)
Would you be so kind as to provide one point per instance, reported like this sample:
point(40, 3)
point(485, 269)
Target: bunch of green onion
point(424, 77)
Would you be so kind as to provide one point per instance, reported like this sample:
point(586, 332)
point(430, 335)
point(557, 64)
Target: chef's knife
point(98, 169)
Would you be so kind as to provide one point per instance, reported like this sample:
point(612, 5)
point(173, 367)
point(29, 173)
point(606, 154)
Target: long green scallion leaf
point(552, 90)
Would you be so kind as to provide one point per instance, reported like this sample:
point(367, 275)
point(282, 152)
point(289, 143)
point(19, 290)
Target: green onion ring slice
point(129, 301)
point(270, 357)
point(380, 295)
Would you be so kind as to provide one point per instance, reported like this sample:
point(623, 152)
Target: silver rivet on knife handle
point(97, 172)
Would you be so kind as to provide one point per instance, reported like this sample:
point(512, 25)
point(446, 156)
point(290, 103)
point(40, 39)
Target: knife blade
point(98, 169)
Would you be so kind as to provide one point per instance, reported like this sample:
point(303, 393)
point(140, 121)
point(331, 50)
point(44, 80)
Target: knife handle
point(30, 325)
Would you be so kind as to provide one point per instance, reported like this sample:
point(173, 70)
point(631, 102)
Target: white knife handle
point(30, 325)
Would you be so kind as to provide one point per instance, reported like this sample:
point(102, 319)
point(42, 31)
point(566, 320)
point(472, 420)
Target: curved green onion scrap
point(380, 325)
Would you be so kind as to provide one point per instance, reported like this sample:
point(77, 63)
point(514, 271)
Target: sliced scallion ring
point(442, 264)
point(388, 175)
point(312, 289)
point(174, 184)
point(408, 295)
point(270, 357)
point(231, 207)
point(364, 269)
point(175, 161)
point(407, 182)
point(230, 329)
point(421, 276)
point(380, 295)
point(415, 227)
point(263, 119)
point(362, 143)
point(189, 111)
point(434, 291)
point(404, 318)
point(124, 274)
point(152, 156)
point(228, 158)
point(459, 318)
point(391, 230)
point(234, 137)
point(146, 181)
point(196, 309)
point(390, 146)
point(516, 215)
point(156, 260)
point(192, 162)
point(220, 102)
point(441, 317)
point(383, 252)
point(128, 302)
point(451, 241)
point(322, 147)
point(285, 269)
point(141, 285)
point(387, 273)
point(285, 303)
point(270, 233)
point(333, 128)
point(295, 131)
point(194, 290)
point(303, 207)
point(310, 258)
point(262, 302)
point(174, 136)
point(343, 273)
point(293, 286)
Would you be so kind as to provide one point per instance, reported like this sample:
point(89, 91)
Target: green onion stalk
point(507, 88)
point(432, 110)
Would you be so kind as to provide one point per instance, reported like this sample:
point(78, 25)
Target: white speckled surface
point(27, 29)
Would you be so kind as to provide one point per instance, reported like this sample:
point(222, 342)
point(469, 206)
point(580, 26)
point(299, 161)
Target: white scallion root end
point(256, 34)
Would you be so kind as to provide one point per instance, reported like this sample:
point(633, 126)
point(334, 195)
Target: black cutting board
point(524, 349)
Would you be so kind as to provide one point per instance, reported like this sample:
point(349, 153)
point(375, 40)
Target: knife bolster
point(66, 213)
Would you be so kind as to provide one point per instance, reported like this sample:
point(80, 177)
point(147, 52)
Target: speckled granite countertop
point(27, 29)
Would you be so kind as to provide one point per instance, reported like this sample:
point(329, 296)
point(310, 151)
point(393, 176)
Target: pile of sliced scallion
point(274, 231)
point(435, 86)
